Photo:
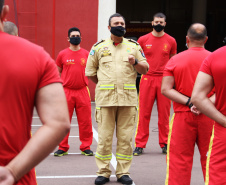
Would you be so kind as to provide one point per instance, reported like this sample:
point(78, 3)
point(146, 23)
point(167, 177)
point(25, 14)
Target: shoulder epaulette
point(131, 40)
point(98, 43)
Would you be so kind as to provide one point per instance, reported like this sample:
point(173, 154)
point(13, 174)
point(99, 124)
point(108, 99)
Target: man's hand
point(131, 59)
point(6, 178)
point(195, 111)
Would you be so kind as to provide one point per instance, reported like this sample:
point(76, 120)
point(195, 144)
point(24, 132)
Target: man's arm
point(53, 112)
point(60, 70)
point(203, 85)
point(171, 55)
point(168, 90)
point(93, 78)
point(140, 67)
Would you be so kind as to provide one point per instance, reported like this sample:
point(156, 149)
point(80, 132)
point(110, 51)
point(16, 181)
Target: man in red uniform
point(212, 73)
point(71, 64)
point(158, 47)
point(187, 128)
point(29, 78)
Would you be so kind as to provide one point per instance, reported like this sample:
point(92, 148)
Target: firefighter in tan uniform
point(113, 65)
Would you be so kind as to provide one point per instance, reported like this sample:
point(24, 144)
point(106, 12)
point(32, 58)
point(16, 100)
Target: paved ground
point(77, 169)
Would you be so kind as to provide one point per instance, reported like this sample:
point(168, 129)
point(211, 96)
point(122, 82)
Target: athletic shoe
point(101, 180)
point(60, 153)
point(125, 179)
point(87, 152)
point(138, 151)
point(164, 149)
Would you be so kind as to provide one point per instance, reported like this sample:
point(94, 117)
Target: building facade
point(46, 22)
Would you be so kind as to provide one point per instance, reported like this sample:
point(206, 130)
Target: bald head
point(197, 32)
point(10, 28)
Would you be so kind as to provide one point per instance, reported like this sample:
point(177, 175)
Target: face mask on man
point(75, 40)
point(118, 31)
point(158, 27)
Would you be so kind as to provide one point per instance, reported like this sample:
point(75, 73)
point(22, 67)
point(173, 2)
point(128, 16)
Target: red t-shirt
point(157, 50)
point(25, 68)
point(215, 65)
point(73, 65)
point(185, 67)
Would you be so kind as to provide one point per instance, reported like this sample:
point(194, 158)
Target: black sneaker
point(138, 151)
point(125, 179)
point(87, 152)
point(60, 153)
point(101, 180)
point(164, 149)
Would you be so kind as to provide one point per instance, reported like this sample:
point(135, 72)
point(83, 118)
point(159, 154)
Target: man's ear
point(187, 39)
point(109, 28)
point(5, 11)
point(206, 39)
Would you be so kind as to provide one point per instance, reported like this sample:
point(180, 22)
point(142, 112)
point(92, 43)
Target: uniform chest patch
point(128, 50)
point(83, 62)
point(105, 52)
point(165, 47)
point(148, 46)
point(70, 61)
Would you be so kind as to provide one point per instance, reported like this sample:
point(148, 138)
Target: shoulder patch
point(131, 40)
point(98, 43)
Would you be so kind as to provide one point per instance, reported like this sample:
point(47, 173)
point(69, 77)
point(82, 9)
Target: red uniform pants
point(186, 129)
point(79, 100)
point(150, 90)
point(216, 160)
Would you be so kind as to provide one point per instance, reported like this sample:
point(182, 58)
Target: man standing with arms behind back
point(158, 47)
point(113, 65)
point(187, 129)
point(212, 74)
point(28, 78)
point(71, 64)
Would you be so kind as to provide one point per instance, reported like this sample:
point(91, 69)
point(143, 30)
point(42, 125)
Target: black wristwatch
point(136, 62)
point(190, 105)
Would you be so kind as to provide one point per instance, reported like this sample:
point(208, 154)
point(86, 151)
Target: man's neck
point(193, 45)
point(116, 39)
point(74, 47)
point(158, 34)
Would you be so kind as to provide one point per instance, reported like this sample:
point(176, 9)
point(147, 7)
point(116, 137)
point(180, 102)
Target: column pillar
point(105, 10)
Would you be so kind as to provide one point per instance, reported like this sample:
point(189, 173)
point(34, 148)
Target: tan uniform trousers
point(123, 118)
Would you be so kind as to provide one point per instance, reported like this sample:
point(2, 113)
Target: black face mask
point(158, 27)
point(118, 31)
point(75, 40)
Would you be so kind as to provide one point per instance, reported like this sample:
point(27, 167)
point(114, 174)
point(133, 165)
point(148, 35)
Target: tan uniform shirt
point(116, 76)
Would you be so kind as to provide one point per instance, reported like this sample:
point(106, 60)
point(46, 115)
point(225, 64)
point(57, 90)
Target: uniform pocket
point(127, 67)
point(98, 115)
point(130, 92)
point(106, 68)
point(106, 63)
point(105, 93)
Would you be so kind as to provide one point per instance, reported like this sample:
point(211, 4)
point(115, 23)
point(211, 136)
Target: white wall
point(105, 10)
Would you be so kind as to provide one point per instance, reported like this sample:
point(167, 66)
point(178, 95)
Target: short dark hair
point(115, 15)
point(160, 14)
point(10, 28)
point(1, 5)
point(197, 33)
point(73, 29)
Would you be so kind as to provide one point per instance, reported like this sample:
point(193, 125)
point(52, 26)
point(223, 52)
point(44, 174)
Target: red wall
point(46, 22)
